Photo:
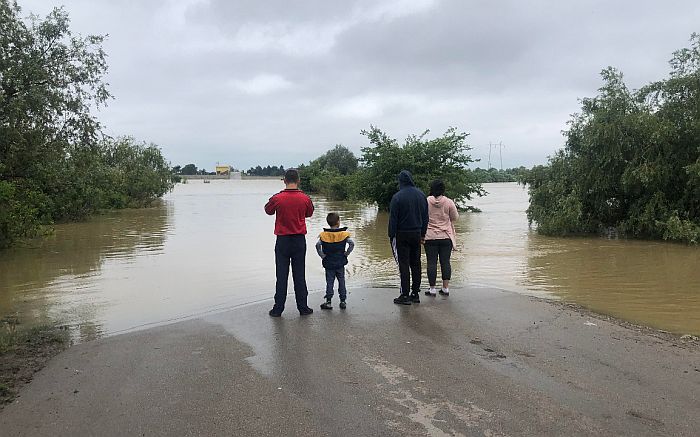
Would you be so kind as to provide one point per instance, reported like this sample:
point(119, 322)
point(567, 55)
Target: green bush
point(332, 174)
point(339, 175)
point(54, 163)
point(443, 158)
point(631, 160)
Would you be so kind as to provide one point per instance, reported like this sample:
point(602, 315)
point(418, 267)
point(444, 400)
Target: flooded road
point(209, 247)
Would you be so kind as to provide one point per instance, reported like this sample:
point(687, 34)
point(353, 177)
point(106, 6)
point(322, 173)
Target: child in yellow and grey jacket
point(333, 246)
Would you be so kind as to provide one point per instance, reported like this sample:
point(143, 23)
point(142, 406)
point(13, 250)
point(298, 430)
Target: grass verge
point(24, 353)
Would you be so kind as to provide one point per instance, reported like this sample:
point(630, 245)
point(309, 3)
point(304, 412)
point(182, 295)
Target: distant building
point(223, 170)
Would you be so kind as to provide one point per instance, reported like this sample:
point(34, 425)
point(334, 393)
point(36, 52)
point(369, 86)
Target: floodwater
point(209, 247)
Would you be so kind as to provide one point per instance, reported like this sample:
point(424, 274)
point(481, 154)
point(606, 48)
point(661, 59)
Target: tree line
point(631, 161)
point(56, 165)
point(189, 170)
point(484, 176)
point(266, 171)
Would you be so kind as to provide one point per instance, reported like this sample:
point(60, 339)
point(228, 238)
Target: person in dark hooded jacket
point(408, 223)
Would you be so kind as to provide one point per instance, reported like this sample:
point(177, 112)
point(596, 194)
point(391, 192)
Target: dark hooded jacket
point(408, 210)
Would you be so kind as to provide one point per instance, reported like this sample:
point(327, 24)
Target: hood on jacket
point(435, 201)
point(406, 179)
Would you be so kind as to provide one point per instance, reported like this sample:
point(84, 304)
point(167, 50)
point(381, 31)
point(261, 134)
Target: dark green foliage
point(332, 174)
point(443, 158)
point(485, 176)
point(266, 171)
point(338, 160)
point(338, 175)
point(54, 163)
point(189, 169)
point(631, 160)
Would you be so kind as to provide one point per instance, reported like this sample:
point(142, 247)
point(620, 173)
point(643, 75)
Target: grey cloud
point(251, 82)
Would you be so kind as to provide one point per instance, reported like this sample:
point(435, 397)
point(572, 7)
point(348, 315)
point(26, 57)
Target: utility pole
point(500, 152)
point(489, 165)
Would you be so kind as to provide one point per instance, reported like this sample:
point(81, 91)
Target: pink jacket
point(442, 213)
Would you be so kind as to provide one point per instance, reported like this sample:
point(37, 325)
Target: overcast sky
point(247, 82)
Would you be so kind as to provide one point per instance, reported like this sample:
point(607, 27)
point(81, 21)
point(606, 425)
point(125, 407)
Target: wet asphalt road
point(481, 362)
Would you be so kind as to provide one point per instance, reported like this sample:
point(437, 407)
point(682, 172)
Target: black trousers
point(434, 250)
point(406, 248)
point(290, 249)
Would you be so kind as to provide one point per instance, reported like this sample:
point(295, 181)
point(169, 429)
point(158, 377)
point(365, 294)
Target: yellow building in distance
point(223, 170)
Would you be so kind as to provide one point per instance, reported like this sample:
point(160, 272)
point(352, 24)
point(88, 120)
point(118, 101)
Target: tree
point(631, 160)
point(331, 174)
point(55, 164)
point(443, 158)
point(339, 159)
point(189, 169)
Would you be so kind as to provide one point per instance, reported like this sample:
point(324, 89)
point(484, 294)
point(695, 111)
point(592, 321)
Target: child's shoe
point(431, 292)
point(445, 291)
point(327, 305)
point(342, 304)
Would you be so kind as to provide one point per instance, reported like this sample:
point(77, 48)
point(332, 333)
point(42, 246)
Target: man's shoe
point(415, 298)
point(306, 311)
point(403, 300)
point(342, 304)
point(327, 305)
point(274, 313)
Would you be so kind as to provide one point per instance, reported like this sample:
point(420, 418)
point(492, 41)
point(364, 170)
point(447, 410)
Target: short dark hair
point(333, 219)
point(437, 188)
point(291, 176)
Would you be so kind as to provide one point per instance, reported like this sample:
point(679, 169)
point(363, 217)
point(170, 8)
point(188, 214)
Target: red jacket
point(292, 207)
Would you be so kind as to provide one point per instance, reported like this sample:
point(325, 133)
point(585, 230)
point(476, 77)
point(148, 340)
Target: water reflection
point(651, 283)
point(52, 279)
point(208, 248)
point(644, 282)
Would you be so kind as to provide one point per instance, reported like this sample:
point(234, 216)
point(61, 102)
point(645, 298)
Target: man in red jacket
point(291, 207)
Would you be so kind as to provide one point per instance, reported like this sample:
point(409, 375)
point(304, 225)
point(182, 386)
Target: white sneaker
point(445, 291)
point(431, 292)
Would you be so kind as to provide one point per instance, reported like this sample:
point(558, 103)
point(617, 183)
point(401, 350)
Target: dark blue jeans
point(290, 249)
point(331, 275)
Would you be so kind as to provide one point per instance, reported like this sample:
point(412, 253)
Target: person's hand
point(422, 241)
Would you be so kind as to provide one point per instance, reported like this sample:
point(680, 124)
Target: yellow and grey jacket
point(331, 247)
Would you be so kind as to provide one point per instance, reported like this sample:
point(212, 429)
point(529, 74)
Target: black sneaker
point(306, 311)
point(274, 313)
point(415, 298)
point(403, 300)
point(327, 305)
point(342, 304)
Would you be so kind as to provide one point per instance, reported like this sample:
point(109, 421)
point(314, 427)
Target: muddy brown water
point(208, 247)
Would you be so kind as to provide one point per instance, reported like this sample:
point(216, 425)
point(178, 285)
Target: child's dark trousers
point(331, 276)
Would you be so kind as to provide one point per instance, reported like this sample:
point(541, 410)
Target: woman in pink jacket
point(440, 238)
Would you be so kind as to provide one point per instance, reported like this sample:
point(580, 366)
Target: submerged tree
point(54, 162)
point(444, 157)
point(631, 160)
